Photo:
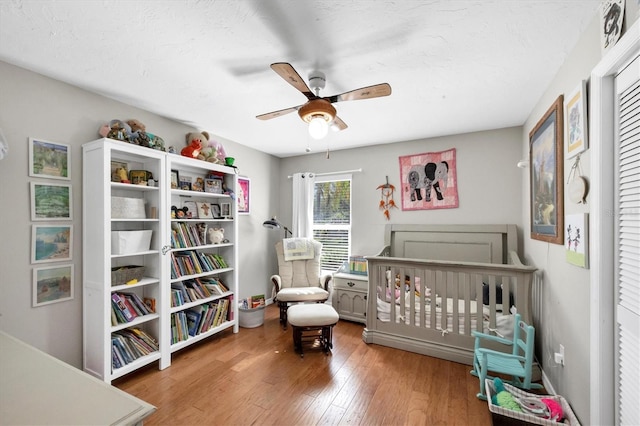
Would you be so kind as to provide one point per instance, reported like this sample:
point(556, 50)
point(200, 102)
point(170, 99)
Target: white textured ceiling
point(454, 66)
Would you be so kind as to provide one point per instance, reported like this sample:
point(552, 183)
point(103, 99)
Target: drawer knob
point(350, 283)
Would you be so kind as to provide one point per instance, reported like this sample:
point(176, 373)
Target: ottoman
point(312, 322)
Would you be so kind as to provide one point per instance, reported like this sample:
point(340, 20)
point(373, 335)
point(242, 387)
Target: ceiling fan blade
point(368, 92)
point(274, 114)
point(338, 124)
point(291, 76)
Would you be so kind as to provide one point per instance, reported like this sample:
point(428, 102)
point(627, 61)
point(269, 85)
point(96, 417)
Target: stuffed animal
point(195, 143)
point(502, 398)
point(216, 235)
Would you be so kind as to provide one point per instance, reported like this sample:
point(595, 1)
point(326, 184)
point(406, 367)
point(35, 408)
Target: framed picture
point(51, 201)
point(225, 209)
point(215, 210)
point(49, 160)
point(119, 171)
point(244, 195)
point(204, 210)
point(52, 285)
point(51, 243)
point(545, 157)
point(577, 244)
point(184, 183)
point(612, 14)
point(213, 186)
point(175, 179)
point(575, 111)
point(192, 209)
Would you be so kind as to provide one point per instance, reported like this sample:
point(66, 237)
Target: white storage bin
point(129, 242)
point(127, 208)
point(251, 318)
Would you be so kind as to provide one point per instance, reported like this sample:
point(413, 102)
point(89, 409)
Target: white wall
point(35, 106)
point(489, 183)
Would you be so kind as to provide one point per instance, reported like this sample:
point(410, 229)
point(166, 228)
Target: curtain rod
point(334, 173)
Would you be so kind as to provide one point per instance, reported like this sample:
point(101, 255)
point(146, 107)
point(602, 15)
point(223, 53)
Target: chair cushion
point(312, 315)
point(302, 294)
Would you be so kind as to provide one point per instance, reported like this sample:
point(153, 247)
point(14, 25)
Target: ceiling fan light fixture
point(318, 113)
point(318, 127)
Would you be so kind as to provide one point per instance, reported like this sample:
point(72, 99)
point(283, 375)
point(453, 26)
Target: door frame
point(602, 305)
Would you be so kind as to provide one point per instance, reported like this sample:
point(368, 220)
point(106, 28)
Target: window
point(332, 219)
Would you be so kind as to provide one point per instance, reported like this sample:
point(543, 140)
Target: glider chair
point(517, 364)
point(299, 279)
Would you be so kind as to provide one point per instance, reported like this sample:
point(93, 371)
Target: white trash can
point(251, 318)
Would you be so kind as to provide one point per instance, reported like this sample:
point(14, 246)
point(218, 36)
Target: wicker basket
point(504, 416)
point(124, 274)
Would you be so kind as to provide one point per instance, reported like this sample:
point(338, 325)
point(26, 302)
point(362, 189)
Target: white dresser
point(350, 296)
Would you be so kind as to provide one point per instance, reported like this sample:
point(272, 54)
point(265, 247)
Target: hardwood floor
point(255, 377)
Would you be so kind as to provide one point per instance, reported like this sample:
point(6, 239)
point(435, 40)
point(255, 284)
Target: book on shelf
point(184, 296)
point(121, 307)
point(193, 320)
point(151, 304)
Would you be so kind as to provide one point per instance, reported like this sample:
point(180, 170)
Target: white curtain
point(303, 184)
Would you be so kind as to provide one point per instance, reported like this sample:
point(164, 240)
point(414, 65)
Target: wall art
point(49, 160)
point(575, 111)
point(52, 285)
point(244, 195)
point(51, 243)
point(51, 201)
point(429, 180)
point(546, 160)
point(577, 241)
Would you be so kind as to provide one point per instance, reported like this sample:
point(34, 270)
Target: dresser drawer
point(350, 282)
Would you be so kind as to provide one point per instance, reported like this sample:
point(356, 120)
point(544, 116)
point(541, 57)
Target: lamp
point(319, 113)
point(273, 223)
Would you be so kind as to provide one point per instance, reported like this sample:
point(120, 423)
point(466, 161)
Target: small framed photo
point(575, 111)
point(52, 285)
point(49, 160)
point(215, 210)
point(139, 177)
point(244, 195)
point(213, 186)
point(204, 210)
point(119, 171)
point(225, 209)
point(51, 201)
point(51, 243)
point(185, 183)
point(192, 209)
point(175, 179)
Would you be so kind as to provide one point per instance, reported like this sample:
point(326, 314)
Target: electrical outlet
point(559, 356)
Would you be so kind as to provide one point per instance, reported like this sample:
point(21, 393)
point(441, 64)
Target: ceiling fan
point(318, 111)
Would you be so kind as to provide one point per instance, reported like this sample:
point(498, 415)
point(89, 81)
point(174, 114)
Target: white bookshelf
point(98, 260)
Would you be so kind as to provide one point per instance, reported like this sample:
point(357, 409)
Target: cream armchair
point(299, 281)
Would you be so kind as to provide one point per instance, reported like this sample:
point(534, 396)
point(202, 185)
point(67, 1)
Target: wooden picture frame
point(51, 243)
point(50, 201)
point(51, 160)
point(244, 195)
point(575, 111)
point(175, 179)
point(547, 181)
point(52, 285)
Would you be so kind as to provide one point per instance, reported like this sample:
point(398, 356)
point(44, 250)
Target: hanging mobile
point(578, 186)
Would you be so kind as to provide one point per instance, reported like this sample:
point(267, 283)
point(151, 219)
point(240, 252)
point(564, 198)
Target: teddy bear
point(195, 143)
point(216, 235)
point(213, 152)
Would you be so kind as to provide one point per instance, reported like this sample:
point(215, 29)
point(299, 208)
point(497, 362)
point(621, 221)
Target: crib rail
point(441, 302)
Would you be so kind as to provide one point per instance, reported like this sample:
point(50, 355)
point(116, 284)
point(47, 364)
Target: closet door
point(627, 235)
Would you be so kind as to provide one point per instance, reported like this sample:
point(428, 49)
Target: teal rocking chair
point(517, 364)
